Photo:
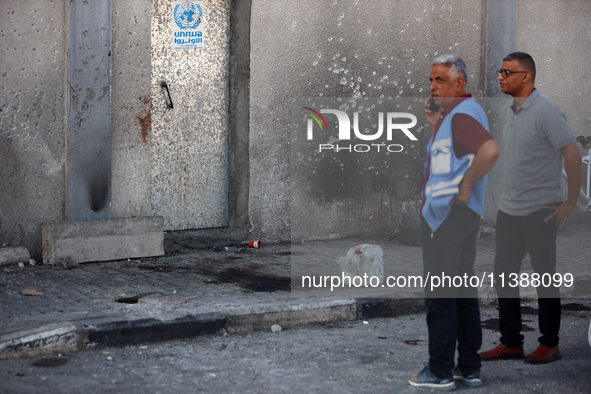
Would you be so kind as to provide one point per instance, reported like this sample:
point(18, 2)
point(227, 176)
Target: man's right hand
point(432, 116)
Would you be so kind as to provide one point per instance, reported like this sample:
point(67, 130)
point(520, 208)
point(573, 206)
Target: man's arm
point(484, 160)
point(572, 165)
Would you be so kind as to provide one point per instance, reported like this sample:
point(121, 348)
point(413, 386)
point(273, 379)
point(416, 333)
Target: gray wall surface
point(379, 49)
point(131, 109)
point(557, 34)
point(501, 32)
point(90, 29)
point(34, 112)
point(33, 117)
point(342, 48)
point(33, 42)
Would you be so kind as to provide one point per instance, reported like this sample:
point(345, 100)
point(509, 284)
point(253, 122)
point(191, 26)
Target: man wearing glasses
point(536, 137)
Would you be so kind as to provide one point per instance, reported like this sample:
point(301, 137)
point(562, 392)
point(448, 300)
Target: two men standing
point(536, 137)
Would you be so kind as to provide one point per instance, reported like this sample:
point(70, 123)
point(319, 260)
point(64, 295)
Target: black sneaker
point(470, 380)
point(426, 379)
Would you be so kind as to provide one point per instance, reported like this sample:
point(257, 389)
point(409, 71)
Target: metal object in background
point(166, 94)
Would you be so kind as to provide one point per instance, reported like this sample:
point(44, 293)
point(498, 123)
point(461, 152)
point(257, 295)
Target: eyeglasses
point(505, 72)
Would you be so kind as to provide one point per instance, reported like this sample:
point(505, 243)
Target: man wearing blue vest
point(459, 155)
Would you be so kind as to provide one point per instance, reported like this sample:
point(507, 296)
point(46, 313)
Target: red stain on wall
point(145, 119)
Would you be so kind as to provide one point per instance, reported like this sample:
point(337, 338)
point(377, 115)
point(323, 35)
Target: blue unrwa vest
point(447, 170)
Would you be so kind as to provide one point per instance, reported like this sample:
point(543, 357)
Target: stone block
point(52, 338)
point(11, 256)
point(290, 315)
point(102, 240)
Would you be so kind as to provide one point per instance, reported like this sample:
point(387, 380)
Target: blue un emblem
point(188, 15)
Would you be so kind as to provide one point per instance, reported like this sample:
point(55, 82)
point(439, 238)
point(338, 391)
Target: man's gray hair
point(457, 64)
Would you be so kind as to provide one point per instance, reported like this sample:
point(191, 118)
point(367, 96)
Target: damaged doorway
point(190, 140)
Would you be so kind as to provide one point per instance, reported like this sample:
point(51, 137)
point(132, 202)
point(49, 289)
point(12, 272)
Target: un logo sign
point(188, 15)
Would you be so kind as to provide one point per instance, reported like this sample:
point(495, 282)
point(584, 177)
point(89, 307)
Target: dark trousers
point(517, 236)
point(453, 313)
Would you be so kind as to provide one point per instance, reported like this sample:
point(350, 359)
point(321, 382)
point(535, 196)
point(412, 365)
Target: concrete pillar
point(239, 113)
point(89, 110)
point(501, 33)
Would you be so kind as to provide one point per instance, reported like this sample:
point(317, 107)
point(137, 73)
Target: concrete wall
point(33, 116)
point(343, 49)
point(33, 42)
point(501, 31)
point(239, 116)
point(557, 34)
point(131, 109)
point(348, 48)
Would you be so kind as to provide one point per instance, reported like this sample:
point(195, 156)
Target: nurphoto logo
point(394, 123)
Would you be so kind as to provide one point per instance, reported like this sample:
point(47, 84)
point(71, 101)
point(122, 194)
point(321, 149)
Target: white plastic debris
point(32, 262)
point(363, 259)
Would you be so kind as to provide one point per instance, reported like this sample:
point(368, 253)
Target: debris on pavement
point(255, 244)
point(29, 292)
point(65, 262)
point(413, 342)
